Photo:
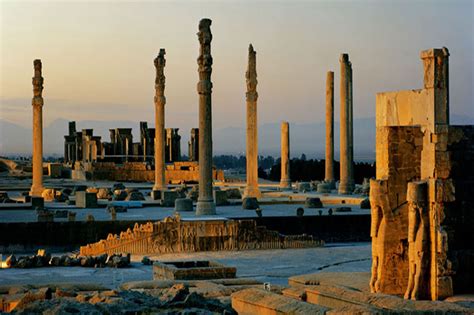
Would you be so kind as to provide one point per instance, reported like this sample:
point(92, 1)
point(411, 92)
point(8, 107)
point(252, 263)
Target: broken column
point(346, 184)
point(160, 101)
point(205, 203)
point(329, 163)
point(37, 103)
point(252, 131)
point(285, 182)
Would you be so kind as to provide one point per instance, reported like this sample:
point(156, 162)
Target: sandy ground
point(274, 266)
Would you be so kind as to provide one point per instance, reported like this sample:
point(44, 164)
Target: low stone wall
point(67, 236)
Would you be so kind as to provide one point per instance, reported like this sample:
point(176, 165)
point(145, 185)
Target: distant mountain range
point(304, 138)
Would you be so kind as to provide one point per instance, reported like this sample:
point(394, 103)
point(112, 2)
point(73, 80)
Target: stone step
point(257, 301)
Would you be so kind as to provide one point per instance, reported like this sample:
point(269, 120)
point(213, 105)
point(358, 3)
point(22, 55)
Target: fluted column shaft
point(285, 182)
point(346, 184)
point(160, 101)
point(329, 171)
point(205, 204)
point(37, 103)
point(252, 129)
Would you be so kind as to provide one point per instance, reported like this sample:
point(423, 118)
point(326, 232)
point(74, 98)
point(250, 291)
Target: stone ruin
point(84, 146)
point(173, 235)
point(423, 197)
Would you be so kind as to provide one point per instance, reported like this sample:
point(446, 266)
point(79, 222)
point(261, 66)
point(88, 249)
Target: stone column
point(205, 203)
point(346, 184)
point(252, 131)
point(329, 175)
point(285, 182)
point(160, 101)
point(37, 102)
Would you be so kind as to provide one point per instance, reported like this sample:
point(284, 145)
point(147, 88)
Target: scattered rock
point(116, 208)
point(233, 193)
point(135, 196)
point(90, 218)
point(343, 209)
point(119, 195)
point(183, 204)
point(118, 186)
point(10, 261)
point(104, 193)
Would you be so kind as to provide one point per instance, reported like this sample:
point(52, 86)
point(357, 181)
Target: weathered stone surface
point(250, 203)
point(104, 193)
point(252, 189)
point(365, 204)
point(37, 105)
point(160, 101)
point(329, 161)
point(205, 204)
point(413, 143)
point(255, 301)
point(173, 235)
point(183, 204)
point(86, 200)
point(191, 270)
point(220, 198)
point(233, 193)
point(303, 186)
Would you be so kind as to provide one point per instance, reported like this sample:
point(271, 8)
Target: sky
point(98, 56)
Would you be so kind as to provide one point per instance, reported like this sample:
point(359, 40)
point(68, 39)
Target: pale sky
point(98, 56)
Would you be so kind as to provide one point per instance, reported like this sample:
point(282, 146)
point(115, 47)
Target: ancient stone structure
point(160, 102)
point(173, 145)
point(329, 167)
point(37, 103)
point(84, 146)
point(175, 173)
point(252, 130)
point(423, 197)
point(285, 182)
point(193, 145)
point(346, 184)
point(205, 204)
point(174, 235)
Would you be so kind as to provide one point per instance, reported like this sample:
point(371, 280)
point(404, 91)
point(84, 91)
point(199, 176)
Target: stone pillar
point(285, 182)
point(329, 175)
point(205, 203)
point(252, 131)
point(346, 184)
point(37, 103)
point(160, 102)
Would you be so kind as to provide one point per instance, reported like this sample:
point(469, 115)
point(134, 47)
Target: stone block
point(86, 200)
point(191, 270)
point(250, 203)
point(168, 198)
point(183, 204)
point(256, 301)
point(324, 188)
point(220, 197)
point(303, 186)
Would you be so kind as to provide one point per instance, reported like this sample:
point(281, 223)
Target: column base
point(36, 191)
point(346, 188)
point(205, 207)
point(285, 184)
point(252, 192)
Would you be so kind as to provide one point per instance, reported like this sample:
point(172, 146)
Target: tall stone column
point(285, 182)
point(205, 203)
point(37, 103)
point(346, 184)
point(160, 101)
point(252, 131)
point(329, 174)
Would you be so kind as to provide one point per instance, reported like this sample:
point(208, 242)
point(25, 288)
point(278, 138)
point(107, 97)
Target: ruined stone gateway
point(423, 198)
point(173, 235)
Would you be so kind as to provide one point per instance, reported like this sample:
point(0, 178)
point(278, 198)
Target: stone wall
point(137, 171)
point(422, 198)
point(172, 235)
